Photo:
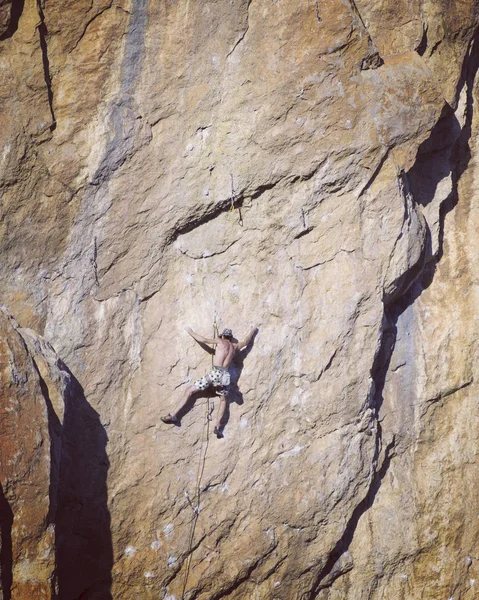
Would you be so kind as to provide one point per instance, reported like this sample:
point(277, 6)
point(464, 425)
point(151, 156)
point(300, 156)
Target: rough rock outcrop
point(305, 165)
point(54, 529)
point(6, 18)
point(29, 469)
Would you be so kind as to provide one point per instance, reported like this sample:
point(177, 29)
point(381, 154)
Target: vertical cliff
point(308, 166)
point(29, 467)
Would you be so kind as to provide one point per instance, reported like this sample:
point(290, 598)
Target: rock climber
point(218, 378)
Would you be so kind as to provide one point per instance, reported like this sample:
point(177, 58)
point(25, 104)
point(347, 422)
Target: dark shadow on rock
point(423, 183)
point(446, 152)
point(15, 14)
point(205, 347)
point(193, 400)
point(55, 433)
point(84, 556)
point(210, 395)
point(433, 160)
point(333, 569)
point(236, 368)
point(6, 558)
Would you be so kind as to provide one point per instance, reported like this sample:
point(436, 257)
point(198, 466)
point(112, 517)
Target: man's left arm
point(247, 339)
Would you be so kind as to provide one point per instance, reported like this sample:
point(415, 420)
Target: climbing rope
point(196, 507)
point(199, 476)
point(233, 200)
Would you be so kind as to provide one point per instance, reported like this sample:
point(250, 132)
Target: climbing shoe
point(218, 433)
point(170, 419)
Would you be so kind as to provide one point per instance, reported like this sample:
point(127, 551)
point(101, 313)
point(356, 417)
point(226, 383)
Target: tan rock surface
point(282, 162)
point(55, 535)
point(427, 499)
point(5, 17)
point(28, 475)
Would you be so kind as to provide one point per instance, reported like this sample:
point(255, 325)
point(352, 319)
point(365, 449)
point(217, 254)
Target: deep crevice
point(15, 14)
point(328, 572)
point(216, 210)
point(372, 60)
point(395, 309)
point(43, 33)
point(422, 47)
point(426, 175)
point(303, 232)
point(82, 35)
point(194, 223)
point(243, 34)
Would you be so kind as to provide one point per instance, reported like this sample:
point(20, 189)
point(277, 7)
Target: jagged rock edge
point(43, 32)
point(383, 356)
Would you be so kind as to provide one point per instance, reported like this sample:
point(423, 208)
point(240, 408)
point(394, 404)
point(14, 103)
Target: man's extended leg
point(173, 417)
point(220, 415)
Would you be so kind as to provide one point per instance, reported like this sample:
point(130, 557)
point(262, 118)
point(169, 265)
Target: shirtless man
point(218, 378)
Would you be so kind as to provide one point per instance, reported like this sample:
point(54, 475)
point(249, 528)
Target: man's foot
point(218, 432)
point(170, 419)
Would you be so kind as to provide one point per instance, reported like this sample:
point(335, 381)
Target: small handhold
point(371, 61)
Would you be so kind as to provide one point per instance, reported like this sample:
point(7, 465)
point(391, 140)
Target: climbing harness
point(201, 467)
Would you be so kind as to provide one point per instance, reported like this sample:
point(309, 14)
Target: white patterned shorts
point(218, 377)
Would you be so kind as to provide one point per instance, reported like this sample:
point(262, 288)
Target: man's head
point(227, 334)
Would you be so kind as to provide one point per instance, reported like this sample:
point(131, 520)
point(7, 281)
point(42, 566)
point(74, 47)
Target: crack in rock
point(243, 34)
point(43, 33)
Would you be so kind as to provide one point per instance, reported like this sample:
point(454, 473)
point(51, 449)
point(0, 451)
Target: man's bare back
point(219, 377)
point(224, 353)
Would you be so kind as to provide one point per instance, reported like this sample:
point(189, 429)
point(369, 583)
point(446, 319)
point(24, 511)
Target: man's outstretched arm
point(248, 337)
point(200, 339)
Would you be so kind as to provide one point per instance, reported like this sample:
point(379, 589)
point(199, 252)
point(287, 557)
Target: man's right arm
point(247, 339)
point(200, 338)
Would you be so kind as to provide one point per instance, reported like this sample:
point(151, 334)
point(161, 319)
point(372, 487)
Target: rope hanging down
point(233, 200)
point(201, 467)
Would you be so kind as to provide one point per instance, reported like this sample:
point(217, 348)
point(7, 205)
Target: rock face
point(28, 470)
point(309, 166)
point(54, 526)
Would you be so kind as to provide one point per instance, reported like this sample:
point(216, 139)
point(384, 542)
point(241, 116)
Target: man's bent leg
point(221, 413)
point(173, 417)
point(189, 391)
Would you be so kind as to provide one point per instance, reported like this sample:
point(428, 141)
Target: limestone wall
point(308, 167)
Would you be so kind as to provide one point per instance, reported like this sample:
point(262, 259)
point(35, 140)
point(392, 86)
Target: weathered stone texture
point(308, 166)
point(5, 16)
point(54, 525)
point(28, 482)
